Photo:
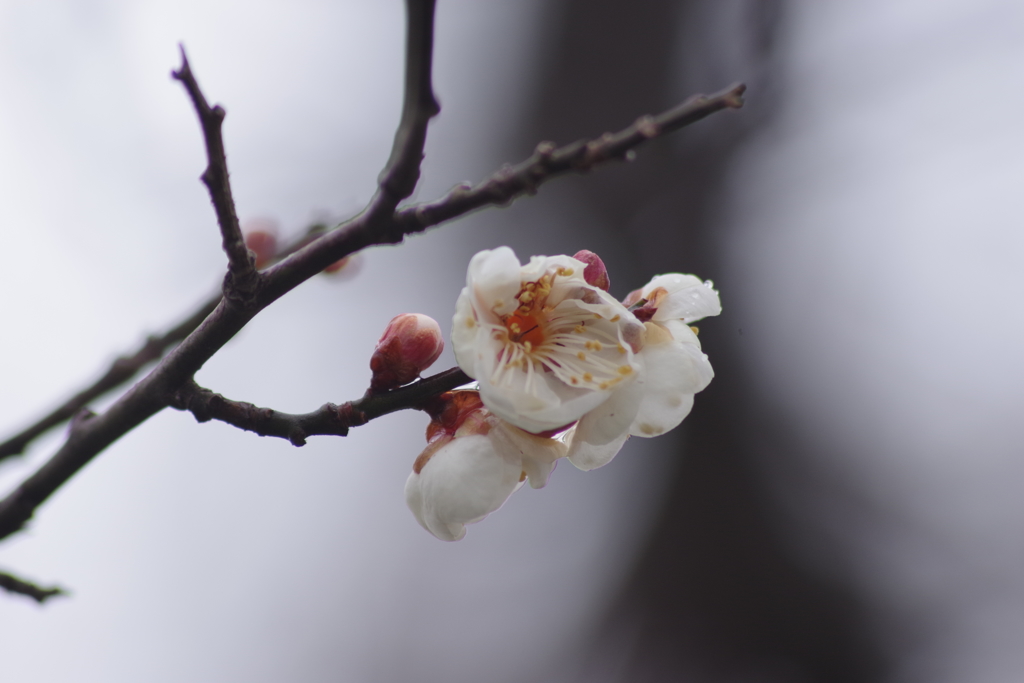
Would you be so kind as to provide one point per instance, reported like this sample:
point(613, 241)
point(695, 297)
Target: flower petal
point(538, 454)
point(688, 299)
point(610, 420)
point(465, 328)
point(674, 370)
point(493, 281)
point(462, 483)
point(701, 372)
point(531, 401)
point(539, 265)
point(587, 456)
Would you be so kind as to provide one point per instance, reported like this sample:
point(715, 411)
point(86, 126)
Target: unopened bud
point(410, 344)
point(595, 273)
point(261, 240)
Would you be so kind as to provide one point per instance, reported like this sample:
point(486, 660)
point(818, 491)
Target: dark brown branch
point(88, 437)
point(500, 189)
point(242, 279)
point(549, 162)
point(120, 371)
point(328, 420)
point(399, 177)
point(129, 365)
point(13, 584)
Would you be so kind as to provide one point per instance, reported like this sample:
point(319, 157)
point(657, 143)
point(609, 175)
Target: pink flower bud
point(595, 273)
point(345, 268)
point(410, 344)
point(337, 265)
point(261, 239)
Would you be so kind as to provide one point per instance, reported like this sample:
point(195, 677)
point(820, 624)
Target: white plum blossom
point(552, 351)
point(545, 346)
point(472, 463)
point(672, 369)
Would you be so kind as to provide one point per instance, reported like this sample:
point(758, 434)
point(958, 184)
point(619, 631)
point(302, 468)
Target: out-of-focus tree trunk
point(719, 592)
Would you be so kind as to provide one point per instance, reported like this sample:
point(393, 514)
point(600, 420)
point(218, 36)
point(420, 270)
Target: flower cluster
point(563, 369)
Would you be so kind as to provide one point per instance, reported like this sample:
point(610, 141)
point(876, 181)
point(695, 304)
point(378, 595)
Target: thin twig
point(549, 162)
point(328, 420)
point(242, 279)
point(12, 584)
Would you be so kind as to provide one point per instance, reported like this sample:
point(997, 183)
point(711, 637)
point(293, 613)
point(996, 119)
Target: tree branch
point(129, 365)
point(500, 189)
point(119, 372)
point(13, 584)
point(242, 279)
point(328, 420)
point(547, 162)
point(400, 175)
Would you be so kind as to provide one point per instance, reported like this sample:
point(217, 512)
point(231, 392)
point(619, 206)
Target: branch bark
point(12, 584)
point(129, 365)
point(548, 162)
point(119, 372)
point(328, 420)
point(400, 175)
point(242, 279)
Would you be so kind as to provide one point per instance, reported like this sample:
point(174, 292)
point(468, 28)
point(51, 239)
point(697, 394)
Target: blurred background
point(843, 504)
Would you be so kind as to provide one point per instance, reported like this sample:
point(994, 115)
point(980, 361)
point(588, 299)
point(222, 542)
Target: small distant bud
point(410, 344)
point(595, 273)
point(337, 265)
point(345, 268)
point(261, 240)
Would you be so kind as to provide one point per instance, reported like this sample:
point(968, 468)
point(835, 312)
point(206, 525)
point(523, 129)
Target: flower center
point(525, 329)
point(580, 346)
